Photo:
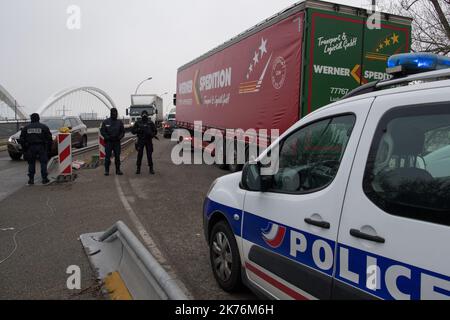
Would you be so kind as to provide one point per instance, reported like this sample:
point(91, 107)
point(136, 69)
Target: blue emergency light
point(410, 63)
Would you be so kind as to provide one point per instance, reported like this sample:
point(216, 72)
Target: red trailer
point(289, 65)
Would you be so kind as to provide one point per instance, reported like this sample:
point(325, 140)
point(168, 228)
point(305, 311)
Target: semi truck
point(152, 103)
point(301, 59)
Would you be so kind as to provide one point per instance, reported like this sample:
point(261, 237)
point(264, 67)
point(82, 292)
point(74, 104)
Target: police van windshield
point(53, 124)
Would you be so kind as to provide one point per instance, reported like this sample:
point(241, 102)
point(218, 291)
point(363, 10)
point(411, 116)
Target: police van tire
point(222, 247)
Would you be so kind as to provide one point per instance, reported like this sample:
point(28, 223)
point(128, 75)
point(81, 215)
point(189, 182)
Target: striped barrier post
point(65, 154)
point(101, 147)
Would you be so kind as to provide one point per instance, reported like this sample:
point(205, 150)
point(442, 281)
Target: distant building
point(89, 116)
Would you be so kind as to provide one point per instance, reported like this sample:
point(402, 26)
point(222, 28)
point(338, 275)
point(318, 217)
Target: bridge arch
point(9, 100)
point(99, 94)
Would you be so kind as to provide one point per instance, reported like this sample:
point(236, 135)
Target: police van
point(359, 207)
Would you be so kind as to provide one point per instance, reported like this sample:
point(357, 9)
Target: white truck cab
point(360, 205)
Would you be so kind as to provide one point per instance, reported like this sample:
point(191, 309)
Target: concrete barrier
point(8, 128)
point(127, 268)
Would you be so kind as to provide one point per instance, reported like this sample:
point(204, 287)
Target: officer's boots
point(151, 170)
point(118, 172)
point(138, 170)
point(30, 181)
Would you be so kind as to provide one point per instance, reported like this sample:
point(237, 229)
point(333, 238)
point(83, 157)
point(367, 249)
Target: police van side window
point(408, 168)
point(310, 157)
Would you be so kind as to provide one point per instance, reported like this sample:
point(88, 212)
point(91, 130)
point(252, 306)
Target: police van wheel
point(224, 257)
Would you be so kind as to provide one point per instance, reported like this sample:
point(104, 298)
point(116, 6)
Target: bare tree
point(430, 27)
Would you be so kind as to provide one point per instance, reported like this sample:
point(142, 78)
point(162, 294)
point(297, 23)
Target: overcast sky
point(120, 43)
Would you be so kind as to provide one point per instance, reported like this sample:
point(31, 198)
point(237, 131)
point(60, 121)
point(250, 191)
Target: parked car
point(359, 207)
point(77, 128)
point(169, 125)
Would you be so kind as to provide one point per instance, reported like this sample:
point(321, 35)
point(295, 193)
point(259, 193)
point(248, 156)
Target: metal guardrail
point(10, 127)
point(53, 163)
point(119, 251)
point(95, 147)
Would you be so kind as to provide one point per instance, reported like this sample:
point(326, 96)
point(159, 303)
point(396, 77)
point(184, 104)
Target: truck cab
point(135, 112)
point(151, 103)
point(359, 207)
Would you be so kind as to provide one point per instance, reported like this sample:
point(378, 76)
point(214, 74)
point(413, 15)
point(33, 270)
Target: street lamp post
point(140, 84)
point(15, 115)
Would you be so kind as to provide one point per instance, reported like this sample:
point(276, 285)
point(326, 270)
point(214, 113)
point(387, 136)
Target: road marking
point(138, 224)
point(117, 289)
point(148, 241)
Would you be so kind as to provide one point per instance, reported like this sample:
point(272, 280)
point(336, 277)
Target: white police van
point(360, 205)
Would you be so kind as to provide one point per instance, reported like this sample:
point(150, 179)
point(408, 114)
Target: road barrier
point(127, 268)
point(53, 164)
point(65, 154)
point(101, 147)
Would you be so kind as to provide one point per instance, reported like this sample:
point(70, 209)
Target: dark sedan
point(77, 128)
point(169, 125)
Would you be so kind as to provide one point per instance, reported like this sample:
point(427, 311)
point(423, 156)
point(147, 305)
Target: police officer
point(36, 140)
point(145, 130)
point(112, 131)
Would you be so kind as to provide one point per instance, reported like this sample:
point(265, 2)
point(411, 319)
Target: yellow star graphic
point(394, 38)
point(387, 42)
point(381, 46)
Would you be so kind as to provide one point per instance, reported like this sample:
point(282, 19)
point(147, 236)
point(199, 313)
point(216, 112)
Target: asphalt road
point(46, 221)
point(170, 205)
point(14, 173)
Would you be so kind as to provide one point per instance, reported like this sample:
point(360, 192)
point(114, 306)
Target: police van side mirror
point(126, 111)
point(252, 180)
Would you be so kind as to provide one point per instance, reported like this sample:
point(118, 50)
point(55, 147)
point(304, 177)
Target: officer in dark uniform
point(145, 130)
point(112, 131)
point(36, 140)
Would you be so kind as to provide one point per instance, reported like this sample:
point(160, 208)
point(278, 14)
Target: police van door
point(290, 232)
point(395, 231)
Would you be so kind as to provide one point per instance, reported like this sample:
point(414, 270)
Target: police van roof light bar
point(410, 63)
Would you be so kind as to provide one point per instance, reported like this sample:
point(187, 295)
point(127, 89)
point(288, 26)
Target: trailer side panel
point(343, 53)
point(251, 84)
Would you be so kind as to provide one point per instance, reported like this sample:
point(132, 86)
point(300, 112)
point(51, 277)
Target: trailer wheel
point(235, 167)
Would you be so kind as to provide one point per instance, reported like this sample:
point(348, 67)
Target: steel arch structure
point(9, 100)
point(101, 95)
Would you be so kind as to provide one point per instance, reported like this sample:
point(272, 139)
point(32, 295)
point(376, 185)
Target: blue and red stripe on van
point(322, 267)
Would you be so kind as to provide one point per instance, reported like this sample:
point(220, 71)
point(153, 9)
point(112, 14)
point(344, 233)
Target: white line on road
point(148, 241)
point(138, 224)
